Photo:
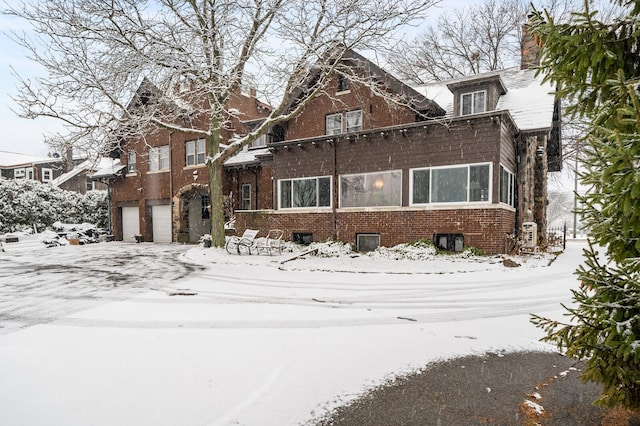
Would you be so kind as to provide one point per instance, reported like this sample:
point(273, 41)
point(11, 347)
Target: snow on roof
point(249, 156)
point(8, 159)
point(108, 167)
point(529, 101)
point(88, 165)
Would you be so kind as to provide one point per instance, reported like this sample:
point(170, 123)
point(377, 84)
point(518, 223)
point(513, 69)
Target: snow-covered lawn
point(250, 340)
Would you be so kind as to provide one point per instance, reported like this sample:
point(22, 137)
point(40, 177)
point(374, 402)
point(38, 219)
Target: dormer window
point(473, 103)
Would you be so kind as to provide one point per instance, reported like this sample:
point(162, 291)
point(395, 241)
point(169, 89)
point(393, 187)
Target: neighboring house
point(21, 166)
point(461, 163)
point(160, 192)
point(80, 178)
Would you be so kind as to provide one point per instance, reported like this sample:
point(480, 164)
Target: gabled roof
point(85, 166)
point(413, 97)
point(109, 170)
point(529, 101)
point(10, 159)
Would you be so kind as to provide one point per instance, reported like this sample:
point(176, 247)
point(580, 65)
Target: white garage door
point(130, 224)
point(161, 218)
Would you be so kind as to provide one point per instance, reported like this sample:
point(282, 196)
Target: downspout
point(336, 186)
point(171, 181)
point(516, 185)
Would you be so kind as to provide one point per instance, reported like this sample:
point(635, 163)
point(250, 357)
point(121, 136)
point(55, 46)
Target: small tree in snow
point(96, 54)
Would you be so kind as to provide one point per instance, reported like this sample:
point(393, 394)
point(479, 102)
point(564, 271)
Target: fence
point(557, 237)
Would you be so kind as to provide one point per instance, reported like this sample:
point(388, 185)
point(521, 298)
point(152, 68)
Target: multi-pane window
point(344, 122)
point(196, 152)
point(90, 184)
point(507, 187)
point(246, 197)
point(455, 184)
point(131, 162)
point(371, 189)
point(473, 103)
point(159, 158)
point(334, 124)
point(304, 192)
point(47, 175)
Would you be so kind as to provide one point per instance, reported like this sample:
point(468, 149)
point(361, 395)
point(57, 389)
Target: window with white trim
point(470, 183)
point(159, 158)
point(347, 122)
point(260, 142)
point(90, 184)
point(371, 189)
point(507, 187)
point(473, 103)
point(47, 175)
point(196, 152)
point(304, 192)
point(131, 162)
point(246, 197)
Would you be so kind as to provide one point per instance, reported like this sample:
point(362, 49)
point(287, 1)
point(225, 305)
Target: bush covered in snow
point(26, 203)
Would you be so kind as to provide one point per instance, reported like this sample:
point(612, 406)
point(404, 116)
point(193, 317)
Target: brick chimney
point(530, 48)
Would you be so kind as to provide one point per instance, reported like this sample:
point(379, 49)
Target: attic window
point(343, 84)
point(473, 103)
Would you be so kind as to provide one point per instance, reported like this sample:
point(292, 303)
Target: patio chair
point(244, 243)
point(272, 243)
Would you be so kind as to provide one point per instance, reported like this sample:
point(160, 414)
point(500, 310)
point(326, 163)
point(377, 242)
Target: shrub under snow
point(25, 203)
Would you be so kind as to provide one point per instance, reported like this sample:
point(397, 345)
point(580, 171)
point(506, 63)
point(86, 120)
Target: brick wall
point(482, 228)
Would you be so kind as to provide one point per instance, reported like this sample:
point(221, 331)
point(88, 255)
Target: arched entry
point(193, 212)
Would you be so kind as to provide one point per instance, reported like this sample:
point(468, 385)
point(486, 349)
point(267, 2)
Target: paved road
point(39, 285)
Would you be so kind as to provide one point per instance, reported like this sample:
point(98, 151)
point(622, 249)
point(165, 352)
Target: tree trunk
point(217, 203)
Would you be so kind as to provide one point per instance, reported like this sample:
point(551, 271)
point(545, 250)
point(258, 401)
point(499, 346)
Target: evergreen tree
point(597, 64)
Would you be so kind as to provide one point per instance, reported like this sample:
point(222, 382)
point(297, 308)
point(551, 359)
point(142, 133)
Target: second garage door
point(161, 218)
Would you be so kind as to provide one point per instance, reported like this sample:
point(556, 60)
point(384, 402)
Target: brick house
point(159, 191)
point(462, 163)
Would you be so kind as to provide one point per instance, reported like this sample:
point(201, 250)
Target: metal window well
point(529, 234)
point(449, 242)
point(367, 242)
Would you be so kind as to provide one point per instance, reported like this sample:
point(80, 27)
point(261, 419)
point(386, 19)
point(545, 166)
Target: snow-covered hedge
point(25, 203)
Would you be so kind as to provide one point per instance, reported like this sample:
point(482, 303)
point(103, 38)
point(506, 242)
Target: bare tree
point(483, 37)
point(97, 52)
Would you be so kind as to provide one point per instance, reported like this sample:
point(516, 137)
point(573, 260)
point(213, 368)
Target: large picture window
point(196, 152)
point(159, 158)
point(305, 192)
point(371, 189)
point(473, 103)
point(455, 184)
point(507, 186)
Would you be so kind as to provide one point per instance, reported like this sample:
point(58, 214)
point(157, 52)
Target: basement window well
point(367, 242)
point(305, 238)
point(449, 242)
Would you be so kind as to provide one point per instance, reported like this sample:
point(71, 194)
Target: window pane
point(191, 150)
point(478, 102)
point(421, 186)
point(466, 104)
point(449, 185)
point(131, 162)
point(154, 159)
point(164, 157)
point(285, 194)
point(479, 183)
point(324, 192)
point(354, 121)
point(371, 189)
point(304, 193)
point(334, 124)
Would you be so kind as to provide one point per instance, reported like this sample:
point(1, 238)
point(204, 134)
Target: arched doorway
point(194, 210)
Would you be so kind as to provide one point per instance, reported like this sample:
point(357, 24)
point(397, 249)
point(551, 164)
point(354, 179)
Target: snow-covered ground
point(252, 340)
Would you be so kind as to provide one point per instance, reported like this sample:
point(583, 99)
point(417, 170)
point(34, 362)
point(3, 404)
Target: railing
point(557, 237)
